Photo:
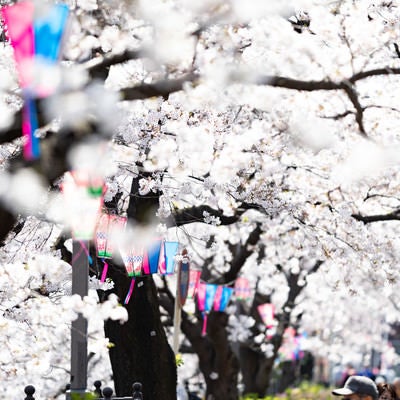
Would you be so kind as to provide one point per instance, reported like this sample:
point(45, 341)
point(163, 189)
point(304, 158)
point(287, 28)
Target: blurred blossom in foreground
point(24, 192)
point(366, 159)
point(78, 108)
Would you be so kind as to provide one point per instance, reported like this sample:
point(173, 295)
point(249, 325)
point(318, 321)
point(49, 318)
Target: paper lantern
point(133, 261)
point(132, 258)
point(210, 294)
point(266, 312)
point(153, 254)
point(18, 19)
point(205, 301)
point(34, 36)
point(49, 25)
point(81, 208)
point(161, 260)
point(183, 278)
point(92, 183)
point(194, 278)
point(287, 350)
point(145, 265)
point(166, 261)
point(107, 230)
point(170, 250)
point(222, 297)
point(242, 289)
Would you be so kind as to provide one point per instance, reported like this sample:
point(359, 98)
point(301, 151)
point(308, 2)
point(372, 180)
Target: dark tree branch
point(315, 267)
point(296, 84)
point(352, 94)
point(366, 219)
point(196, 214)
point(98, 68)
point(338, 116)
point(158, 89)
point(373, 72)
point(396, 49)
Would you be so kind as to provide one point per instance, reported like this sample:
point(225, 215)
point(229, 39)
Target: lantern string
point(204, 329)
point(104, 273)
point(131, 287)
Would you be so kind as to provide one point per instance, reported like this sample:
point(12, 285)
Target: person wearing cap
point(358, 387)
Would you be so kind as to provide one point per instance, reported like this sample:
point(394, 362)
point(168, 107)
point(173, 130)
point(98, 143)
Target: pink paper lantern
point(81, 207)
point(133, 260)
point(108, 228)
point(242, 289)
point(205, 301)
point(194, 279)
point(18, 19)
point(222, 297)
point(266, 312)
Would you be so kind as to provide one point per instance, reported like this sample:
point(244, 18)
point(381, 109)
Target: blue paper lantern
point(49, 28)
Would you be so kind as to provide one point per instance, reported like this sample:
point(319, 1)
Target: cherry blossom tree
point(263, 137)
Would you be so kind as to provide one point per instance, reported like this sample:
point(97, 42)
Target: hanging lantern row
point(36, 36)
point(158, 258)
point(292, 345)
point(209, 297)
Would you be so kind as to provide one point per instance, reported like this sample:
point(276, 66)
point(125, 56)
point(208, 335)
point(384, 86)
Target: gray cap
point(358, 384)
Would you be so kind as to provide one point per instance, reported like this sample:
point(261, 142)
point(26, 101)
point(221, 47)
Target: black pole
point(80, 273)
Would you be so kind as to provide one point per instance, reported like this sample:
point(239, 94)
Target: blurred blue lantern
point(49, 27)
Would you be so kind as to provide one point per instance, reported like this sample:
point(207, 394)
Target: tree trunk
point(141, 352)
point(256, 370)
point(217, 361)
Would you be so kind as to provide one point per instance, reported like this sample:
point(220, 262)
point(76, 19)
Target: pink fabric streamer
point(146, 266)
point(201, 296)
point(204, 329)
point(104, 273)
point(131, 287)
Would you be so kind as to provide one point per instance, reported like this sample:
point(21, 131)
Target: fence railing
point(100, 394)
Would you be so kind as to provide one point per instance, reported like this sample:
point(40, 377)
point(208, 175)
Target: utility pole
point(79, 359)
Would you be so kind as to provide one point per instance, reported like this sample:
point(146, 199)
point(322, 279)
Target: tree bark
point(217, 361)
point(141, 352)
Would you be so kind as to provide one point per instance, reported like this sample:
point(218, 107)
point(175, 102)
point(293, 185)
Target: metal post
point(177, 315)
point(80, 273)
point(29, 391)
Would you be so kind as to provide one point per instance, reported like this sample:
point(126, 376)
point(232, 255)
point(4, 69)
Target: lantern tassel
point(131, 287)
point(29, 125)
point(104, 273)
point(204, 330)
